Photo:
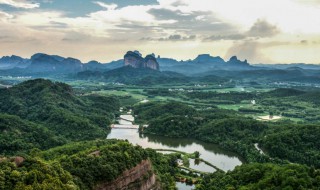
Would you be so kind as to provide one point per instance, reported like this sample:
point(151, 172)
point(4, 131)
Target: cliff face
point(135, 60)
point(140, 177)
point(151, 62)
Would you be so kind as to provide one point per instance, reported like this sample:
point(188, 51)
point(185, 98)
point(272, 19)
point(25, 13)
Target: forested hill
point(87, 165)
point(47, 107)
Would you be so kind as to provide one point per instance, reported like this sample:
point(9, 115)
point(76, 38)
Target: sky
point(261, 31)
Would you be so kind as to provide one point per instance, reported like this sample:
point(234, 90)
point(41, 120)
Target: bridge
point(116, 126)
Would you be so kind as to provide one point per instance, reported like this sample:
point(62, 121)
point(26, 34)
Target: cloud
point(5, 16)
point(24, 4)
point(203, 22)
point(226, 37)
point(249, 50)
point(253, 50)
point(158, 23)
point(174, 37)
point(309, 2)
point(107, 6)
point(262, 28)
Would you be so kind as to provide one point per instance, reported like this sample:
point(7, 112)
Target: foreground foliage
point(82, 165)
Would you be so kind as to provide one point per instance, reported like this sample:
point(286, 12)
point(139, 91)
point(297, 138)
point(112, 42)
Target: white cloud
point(4, 15)
point(107, 6)
point(289, 15)
point(25, 4)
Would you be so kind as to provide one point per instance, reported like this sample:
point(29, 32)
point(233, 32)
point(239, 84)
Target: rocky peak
point(151, 62)
point(135, 60)
point(235, 60)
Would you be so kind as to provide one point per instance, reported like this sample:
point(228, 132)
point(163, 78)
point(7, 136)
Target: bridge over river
point(124, 126)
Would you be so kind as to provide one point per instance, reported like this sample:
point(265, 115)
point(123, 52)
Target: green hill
point(263, 176)
point(84, 165)
point(17, 135)
point(54, 107)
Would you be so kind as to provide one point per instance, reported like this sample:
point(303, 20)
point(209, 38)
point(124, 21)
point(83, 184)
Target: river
point(224, 160)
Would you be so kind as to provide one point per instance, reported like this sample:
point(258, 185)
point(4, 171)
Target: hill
point(56, 108)
point(18, 135)
point(88, 165)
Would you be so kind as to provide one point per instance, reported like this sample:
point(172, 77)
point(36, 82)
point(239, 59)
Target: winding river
point(224, 160)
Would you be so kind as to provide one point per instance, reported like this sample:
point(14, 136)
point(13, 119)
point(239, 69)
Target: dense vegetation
point(263, 176)
point(41, 114)
point(56, 113)
point(296, 143)
point(151, 110)
point(82, 166)
point(18, 135)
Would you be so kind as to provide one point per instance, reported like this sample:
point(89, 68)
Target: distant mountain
point(48, 63)
point(94, 66)
point(234, 61)
point(204, 64)
point(8, 62)
point(208, 59)
point(287, 66)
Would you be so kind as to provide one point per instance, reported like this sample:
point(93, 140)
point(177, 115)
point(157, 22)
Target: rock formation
point(135, 60)
point(140, 177)
point(151, 62)
point(18, 160)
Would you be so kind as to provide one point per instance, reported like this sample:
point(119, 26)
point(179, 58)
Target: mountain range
point(204, 63)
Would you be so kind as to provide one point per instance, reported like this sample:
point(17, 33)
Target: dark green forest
point(43, 114)
point(263, 176)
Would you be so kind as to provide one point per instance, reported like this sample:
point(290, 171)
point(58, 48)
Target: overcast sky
point(262, 31)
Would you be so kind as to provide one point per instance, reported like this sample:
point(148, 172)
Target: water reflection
point(184, 186)
point(200, 166)
point(224, 160)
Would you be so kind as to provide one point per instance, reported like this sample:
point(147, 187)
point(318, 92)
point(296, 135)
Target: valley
point(159, 95)
point(141, 127)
